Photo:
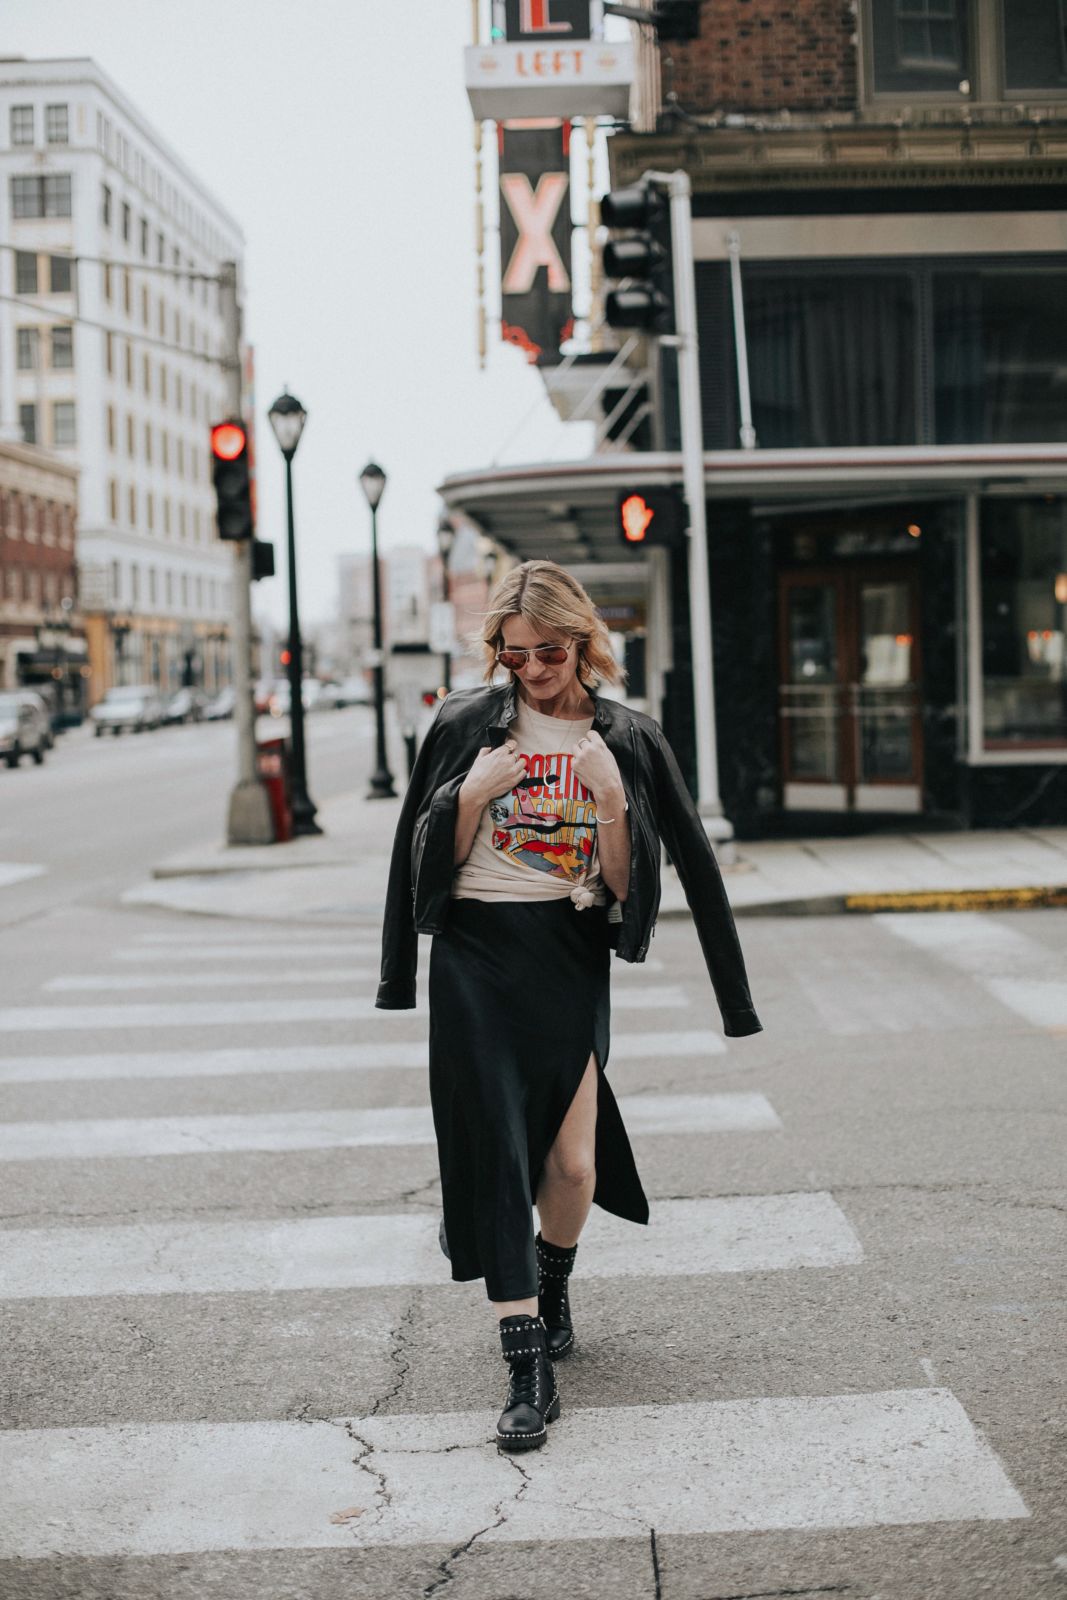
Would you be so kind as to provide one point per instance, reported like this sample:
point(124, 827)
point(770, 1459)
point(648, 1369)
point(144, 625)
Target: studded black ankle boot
point(533, 1400)
point(554, 1264)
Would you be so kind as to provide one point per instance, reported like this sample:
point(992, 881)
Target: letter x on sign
point(535, 216)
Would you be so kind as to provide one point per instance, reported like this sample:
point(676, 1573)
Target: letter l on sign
point(535, 18)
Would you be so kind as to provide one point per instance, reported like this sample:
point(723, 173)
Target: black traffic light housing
point(230, 472)
point(262, 559)
point(640, 260)
point(650, 517)
point(676, 21)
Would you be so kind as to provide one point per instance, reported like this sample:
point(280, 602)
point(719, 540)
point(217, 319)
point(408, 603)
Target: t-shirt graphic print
point(538, 841)
point(548, 821)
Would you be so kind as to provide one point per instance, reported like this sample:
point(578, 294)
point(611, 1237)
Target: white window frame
point(17, 122)
point(985, 70)
point(54, 116)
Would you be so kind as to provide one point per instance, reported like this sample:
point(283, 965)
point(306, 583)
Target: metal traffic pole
point(687, 343)
point(249, 820)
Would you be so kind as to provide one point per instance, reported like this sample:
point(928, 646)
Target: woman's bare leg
point(565, 1193)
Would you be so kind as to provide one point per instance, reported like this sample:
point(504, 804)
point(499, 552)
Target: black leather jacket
point(661, 808)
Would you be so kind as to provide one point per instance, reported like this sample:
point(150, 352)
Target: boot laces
point(525, 1386)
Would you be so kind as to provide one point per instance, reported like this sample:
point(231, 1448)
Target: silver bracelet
point(625, 807)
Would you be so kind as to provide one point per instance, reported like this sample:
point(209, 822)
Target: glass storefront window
point(1024, 623)
point(1000, 357)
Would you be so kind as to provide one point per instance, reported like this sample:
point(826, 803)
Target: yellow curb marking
point(957, 899)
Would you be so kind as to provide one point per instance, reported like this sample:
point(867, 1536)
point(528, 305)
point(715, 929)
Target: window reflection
point(1024, 615)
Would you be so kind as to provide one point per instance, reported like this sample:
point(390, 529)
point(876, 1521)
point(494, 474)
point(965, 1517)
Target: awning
point(565, 510)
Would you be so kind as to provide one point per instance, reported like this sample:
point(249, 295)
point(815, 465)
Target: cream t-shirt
point(538, 841)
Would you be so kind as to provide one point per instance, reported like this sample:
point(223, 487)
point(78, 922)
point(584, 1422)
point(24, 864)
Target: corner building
point(888, 560)
point(110, 333)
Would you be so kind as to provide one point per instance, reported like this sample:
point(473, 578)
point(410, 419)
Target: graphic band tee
point(538, 841)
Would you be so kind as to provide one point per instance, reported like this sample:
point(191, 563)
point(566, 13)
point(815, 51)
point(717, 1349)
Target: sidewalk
point(340, 877)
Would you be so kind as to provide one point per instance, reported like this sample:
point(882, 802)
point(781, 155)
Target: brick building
point(42, 639)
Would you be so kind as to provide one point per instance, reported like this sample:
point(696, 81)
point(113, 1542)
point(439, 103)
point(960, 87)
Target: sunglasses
point(552, 655)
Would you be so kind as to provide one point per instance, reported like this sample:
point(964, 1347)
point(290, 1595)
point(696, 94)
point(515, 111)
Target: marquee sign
point(549, 75)
point(535, 240)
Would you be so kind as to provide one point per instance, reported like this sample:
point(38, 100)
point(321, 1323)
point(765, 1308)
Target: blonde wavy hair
point(547, 598)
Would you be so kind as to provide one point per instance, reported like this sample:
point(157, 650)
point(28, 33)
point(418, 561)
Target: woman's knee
point(574, 1165)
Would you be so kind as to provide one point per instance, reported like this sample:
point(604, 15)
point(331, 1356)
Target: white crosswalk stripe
point(84, 1139)
point(737, 1233)
point(244, 1013)
point(320, 950)
point(1012, 967)
point(899, 1456)
point(141, 982)
point(249, 1061)
point(12, 872)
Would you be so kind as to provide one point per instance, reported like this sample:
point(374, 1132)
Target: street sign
point(558, 79)
point(548, 20)
point(535, 240)
point(442, 627)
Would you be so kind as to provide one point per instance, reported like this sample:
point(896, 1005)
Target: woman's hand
point(494, 772)
point(597, 767)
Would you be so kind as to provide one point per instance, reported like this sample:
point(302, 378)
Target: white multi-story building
point(110, 337)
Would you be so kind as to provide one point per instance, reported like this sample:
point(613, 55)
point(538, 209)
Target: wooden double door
point(848, 700)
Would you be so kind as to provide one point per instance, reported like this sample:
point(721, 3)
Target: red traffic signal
point(230, 471)
point(285, 656)
point(650, 517)
point(228, 441)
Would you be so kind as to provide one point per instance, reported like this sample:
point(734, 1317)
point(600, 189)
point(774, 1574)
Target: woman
point(529, 846)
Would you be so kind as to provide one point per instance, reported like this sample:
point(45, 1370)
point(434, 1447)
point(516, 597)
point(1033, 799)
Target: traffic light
point(676, 21)
point(230, 474)
point(650, 517)
point(640, 259)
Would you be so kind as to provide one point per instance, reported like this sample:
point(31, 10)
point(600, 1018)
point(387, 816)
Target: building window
point(107, 281)
point(1000, 354)
point(178, 391)
point(129, 365)
point(131, 501)
point(28, 423)
point(60, 269)
point(144, 237)
point(164, 440)
point(21, 124)
point(920, 46)
point(111, 427)
point(181, 457)
point(56, 125)
point(181, 520)
point(64, 427)
point(185, 591)
point(109, 353)
point(151, 570)
point(148, 441)
point(146, 374)
point(145, 306)
point(163, 382)
point(1024, 623)
point(27, 349)
point(131, 447)
point(161, 248)
point(126, 220)
point(135, 582)
point(150, 510)
point(127, 291)
point(113, 499)
point(170, 588)
point(1035, 44)
point(25, 272)
point(40, 196)
point(166, 526)
point(63, 346)
point(105, 206)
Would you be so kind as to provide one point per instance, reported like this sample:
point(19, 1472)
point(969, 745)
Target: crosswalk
point(149, 1486)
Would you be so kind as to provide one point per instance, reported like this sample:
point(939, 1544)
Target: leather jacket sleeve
point(396, 991)
point(684, 835)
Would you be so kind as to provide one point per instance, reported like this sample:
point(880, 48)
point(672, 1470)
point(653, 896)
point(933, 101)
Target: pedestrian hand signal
point(231, 477)
point(650, 517)
point(636, 514)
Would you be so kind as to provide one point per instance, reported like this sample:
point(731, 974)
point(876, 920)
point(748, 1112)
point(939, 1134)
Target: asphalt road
point(232, 1364)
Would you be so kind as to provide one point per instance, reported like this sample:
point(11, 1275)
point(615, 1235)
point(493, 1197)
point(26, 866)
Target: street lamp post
point(372, 481)
point(287, 417)
point(446, 538)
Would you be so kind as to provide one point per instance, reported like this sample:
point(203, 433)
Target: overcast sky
point(339, 135)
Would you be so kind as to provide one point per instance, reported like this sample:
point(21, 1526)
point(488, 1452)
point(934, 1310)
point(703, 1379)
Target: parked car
point(186, 705)
point(355, 692)
point(221, 706)
point(43, 699)
point(135, 706)
point(23, 728)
